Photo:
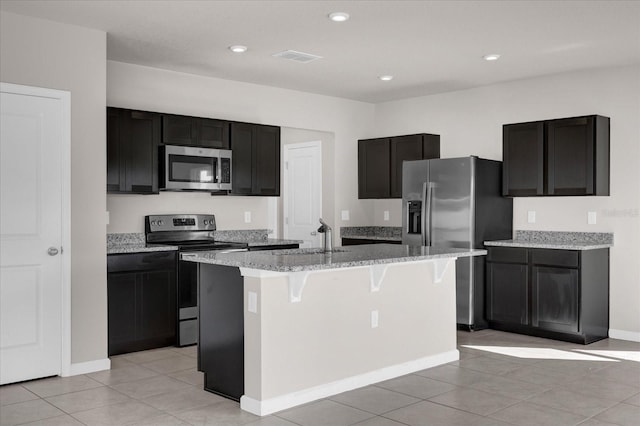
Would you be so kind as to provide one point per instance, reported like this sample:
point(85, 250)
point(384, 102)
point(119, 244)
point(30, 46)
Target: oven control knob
point(153, 223)
point(205, 222)
point(159, 223)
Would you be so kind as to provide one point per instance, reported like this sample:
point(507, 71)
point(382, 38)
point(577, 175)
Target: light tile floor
point(500, 379)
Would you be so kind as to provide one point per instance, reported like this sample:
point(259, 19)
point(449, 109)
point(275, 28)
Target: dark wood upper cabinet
point(267, 160)
point(380, 162)
point(374, 168)
point(578, 156)
point(523, 153)
point(195, 131)
point(133, 138)
point(567, 156)
point(256, 159)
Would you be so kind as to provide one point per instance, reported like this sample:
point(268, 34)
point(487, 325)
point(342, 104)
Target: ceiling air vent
point(292, 55)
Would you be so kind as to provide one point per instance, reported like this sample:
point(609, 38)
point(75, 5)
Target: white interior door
point(32, 134)
point(303, 192)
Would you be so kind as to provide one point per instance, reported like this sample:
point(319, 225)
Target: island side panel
point(327, 337)
point(221, 329)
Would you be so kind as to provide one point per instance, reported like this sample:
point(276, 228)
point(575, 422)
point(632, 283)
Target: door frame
point(285, 181)
point(64, 97)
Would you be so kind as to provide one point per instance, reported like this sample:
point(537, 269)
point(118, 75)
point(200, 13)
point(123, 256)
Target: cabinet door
point(213, 133)
point(242, 160)
point(156, 295)
point(430, 146)
point(121, 311)
point(570, 156)
point(507, 293)
point(266, 157)
point(555, 298)
point(523, 159)
point(178, 130)
point(115, 151)
point(143, 138)
point(374, 168)
point(403, 148)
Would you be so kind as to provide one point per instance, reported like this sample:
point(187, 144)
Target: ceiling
point(428, 46)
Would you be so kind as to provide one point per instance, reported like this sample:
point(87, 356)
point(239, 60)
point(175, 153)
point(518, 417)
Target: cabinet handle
point(52, 251)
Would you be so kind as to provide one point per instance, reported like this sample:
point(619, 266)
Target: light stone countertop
point(556, 240)
point(295, 260)
point(387, 233)
point(135, 242)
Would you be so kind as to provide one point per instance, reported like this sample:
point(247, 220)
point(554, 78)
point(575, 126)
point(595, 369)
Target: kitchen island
point(286, 327)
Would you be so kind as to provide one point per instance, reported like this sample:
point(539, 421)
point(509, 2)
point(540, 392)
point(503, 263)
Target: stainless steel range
point(190, 232)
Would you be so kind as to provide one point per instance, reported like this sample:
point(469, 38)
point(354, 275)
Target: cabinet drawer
point(507, 254)
point(156, 260)
point(567, 258)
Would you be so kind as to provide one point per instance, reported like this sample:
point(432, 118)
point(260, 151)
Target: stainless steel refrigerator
point(457, 202)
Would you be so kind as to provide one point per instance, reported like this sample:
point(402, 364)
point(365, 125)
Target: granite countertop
point(252, 237)
point(386, 233)
point(295, 260)
point(557, 240)
point(132, 243)
point(135, 242)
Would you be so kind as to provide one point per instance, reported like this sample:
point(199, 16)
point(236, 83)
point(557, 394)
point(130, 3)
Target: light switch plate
point(107, 218)
point(531, 216)
point(386, 215)
point(247, 217)
point(344, 214)
point(253, 302)
point(591, 218)
point(374, 319)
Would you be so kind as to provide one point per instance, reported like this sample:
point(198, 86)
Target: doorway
point(35, 222)
point(302, 187)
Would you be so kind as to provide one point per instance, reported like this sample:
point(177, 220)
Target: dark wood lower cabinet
point(558, 294)
point(141, 294)
point(556, 298)
point(507, 293)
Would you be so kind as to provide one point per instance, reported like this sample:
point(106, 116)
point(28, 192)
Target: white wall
point(35, 52)
point(470, 122)
point(151, 89)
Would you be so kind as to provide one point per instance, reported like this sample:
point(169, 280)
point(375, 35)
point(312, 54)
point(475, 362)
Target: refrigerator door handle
point(426, 213)
point(428, 218)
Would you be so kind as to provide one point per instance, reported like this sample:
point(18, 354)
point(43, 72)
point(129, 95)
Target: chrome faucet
point(327, 241)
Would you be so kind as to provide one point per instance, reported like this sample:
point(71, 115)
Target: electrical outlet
point(591, 218)
point(386, 215)
point(531, 216)
point(247, 217)
point(253, 302)
point(374, 319)
point(344, 214)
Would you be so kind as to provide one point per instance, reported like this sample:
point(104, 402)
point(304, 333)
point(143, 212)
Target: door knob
point(313, 233)
point(52, 251)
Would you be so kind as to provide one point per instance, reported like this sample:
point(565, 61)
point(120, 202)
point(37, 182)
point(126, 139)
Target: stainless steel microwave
point(190, 168)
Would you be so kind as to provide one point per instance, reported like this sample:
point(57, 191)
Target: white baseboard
point(279, 403)
point(632, 336)
point(89, 367)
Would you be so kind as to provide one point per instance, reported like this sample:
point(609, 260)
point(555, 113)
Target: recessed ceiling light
point(386, 77)
point(339, 16)
point(238, 48)
point(491, 57)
